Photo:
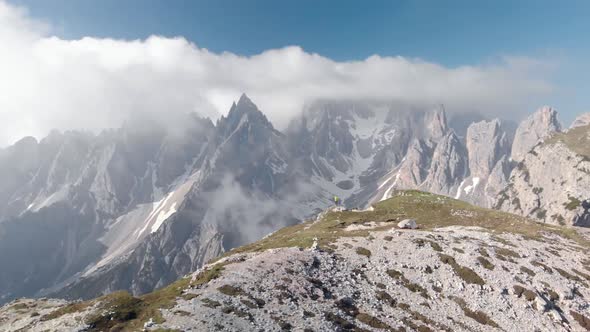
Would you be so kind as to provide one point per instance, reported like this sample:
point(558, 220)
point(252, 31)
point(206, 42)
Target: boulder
point(408, 224)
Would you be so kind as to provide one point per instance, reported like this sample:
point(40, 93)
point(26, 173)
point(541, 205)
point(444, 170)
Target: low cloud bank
point(92, 83)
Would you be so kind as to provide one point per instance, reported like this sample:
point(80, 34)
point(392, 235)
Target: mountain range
point(137, 208)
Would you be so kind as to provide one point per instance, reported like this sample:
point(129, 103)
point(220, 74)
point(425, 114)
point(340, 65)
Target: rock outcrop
point(534, 128)
point(552, 182)
point(581, 120)
point(448, 166)
point(486, 143)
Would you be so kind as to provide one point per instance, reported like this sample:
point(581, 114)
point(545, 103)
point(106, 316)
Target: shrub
point(363, 251)
point(373, 322)
point(520, 291)
point(478, 316)
point(230, 290)
point(581, 319)
point(485, 263)
point(527, 271)
point(465, 273)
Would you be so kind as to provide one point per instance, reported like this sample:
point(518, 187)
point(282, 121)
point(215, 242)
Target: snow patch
point(388, 191)
point(459, 190)
point(163, 215)
point(470, 188)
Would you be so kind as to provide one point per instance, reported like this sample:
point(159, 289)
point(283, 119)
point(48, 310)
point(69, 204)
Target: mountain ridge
point(354, 270)
point(161, 199)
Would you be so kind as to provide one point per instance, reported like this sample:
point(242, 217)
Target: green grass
point(465, 273)
point(121, 311)
point(363, 251)
point(415, 288)
point(67, 309)
point(372, 321)
point(485, 263)
point(527, 271)
point(478, 316)
point(572, 204)
point(429, 210)
point(576, 139)
point(528, 294)
point(581, 319)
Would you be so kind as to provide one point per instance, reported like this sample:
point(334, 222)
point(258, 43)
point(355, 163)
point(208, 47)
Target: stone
point(407, 224)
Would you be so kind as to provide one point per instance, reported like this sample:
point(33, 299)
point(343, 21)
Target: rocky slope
point(552, 182)
point(464, 269)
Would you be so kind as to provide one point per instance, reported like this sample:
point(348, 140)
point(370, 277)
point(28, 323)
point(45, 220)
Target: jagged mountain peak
point(26, 141)
point(547, 116)
point(245, 101)
point(486, 143)
point(241, 112)
point(436, 122)
point(536, 127)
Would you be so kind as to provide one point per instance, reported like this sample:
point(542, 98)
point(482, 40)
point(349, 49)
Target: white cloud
point(47, 82)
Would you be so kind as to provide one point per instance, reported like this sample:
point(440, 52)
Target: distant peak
point(245, 101)
point(244, 110)
point(27, 140)
point(244, 106)
point(547, 117)
point(436, 122)
point(581, 120)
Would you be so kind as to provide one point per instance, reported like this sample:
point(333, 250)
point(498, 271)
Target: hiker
point(336, 200)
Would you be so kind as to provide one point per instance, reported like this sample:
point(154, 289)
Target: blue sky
point(468, 43)
point(447, 32)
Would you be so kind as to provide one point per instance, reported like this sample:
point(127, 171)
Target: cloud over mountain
point(91, 83)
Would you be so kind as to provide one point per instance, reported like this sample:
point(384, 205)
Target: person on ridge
point(336, 200)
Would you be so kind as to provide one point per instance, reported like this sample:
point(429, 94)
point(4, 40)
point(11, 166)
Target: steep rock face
point(451, 167)
point(486, 143)
point(552, 183)
point(241, 192)
point(497, 181)
point(414, 170)
point(436, 123)
point(534, 128)
point(345, 148)
point(448, 167)
point(86, 198)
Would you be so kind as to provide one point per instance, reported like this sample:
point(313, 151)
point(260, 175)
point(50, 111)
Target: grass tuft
point(465, 273)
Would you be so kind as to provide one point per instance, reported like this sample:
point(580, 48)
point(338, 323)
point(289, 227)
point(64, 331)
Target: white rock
point(407, 224)
point(149, 323)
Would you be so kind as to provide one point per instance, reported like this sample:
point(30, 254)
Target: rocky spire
point(436, 122)
point(533, 129)
point(486, 143)
point(448, 166)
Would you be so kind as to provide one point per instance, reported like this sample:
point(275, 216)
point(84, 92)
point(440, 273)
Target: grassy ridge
point(429, 210)
point(123, 312)
point(576, 139)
